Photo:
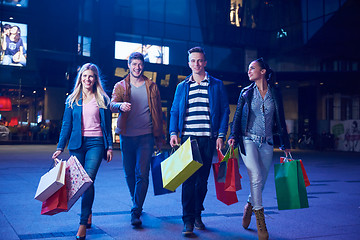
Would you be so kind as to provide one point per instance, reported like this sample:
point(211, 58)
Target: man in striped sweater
point(200, 110)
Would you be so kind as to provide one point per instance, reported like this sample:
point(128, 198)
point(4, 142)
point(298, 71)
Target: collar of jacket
point(248, 91)
point(148, 82)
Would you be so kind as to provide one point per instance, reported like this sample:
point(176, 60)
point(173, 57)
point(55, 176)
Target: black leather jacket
point(241, 117)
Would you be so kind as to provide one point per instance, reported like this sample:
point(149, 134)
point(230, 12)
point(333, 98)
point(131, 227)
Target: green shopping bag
point(290, 187)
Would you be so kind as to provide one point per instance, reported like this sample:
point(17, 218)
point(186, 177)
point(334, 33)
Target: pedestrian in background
point(87, 127)
point(137, 100)
point(200, 110)
point(259, 114)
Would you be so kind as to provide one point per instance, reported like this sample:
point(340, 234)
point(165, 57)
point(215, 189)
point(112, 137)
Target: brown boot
point(247, 215)
point(261, 226)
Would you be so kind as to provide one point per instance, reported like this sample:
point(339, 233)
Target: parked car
point(4, 133)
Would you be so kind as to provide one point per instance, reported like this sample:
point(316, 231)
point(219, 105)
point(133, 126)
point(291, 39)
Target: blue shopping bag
point(156, 160)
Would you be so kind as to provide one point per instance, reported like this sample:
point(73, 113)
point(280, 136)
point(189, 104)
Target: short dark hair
point(197, 49)
point(136, 55)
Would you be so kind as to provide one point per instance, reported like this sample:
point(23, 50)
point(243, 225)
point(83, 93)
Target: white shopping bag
point(51, 181)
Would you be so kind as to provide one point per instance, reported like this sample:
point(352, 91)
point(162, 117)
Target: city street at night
point(334, 200)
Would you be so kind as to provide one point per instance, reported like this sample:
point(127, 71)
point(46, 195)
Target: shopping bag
point(179, 166)
point(306, 179)
point(290, 187)
point(156, 173)
point(227, 197)
point(77, 180)
point(233, 177)
point(230, 153)
point(221, 175)
point(51, 181)
point(56, 203)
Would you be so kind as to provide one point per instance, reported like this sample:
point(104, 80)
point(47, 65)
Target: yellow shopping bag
point(183, 163)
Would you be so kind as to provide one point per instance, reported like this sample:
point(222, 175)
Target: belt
point(257, 138)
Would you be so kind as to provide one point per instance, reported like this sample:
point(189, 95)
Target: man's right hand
point(125, 106)
point(174, 141)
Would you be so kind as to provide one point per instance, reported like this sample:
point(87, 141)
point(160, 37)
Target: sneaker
point(199, 225)
point(188, 229)
point(135, 220)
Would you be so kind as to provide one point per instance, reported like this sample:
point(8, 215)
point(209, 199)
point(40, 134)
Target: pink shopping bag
point(77, 180)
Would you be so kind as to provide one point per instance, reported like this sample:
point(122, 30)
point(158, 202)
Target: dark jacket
point(218, 103)
point(71, 127)
point(122, 93)
point(241, 117)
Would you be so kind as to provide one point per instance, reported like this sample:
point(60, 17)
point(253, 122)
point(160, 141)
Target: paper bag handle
point(286, 158)
point(56, 161)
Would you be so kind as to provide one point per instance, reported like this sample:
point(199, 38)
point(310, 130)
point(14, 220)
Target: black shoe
point(80, 238)
point(135, 220)
point(188, 229)
point(199, 225)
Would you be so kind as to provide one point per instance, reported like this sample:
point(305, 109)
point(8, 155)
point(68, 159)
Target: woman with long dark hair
point(259, 115)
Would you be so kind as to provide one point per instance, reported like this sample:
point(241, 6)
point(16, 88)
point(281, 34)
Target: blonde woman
point(87, 127)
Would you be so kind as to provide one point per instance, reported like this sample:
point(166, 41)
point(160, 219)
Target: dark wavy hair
point(269, 72)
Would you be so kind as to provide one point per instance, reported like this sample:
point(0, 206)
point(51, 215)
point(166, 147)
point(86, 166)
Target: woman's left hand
point(109, 155)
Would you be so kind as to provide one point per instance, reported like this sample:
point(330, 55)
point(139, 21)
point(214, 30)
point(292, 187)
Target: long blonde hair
point(98, 90)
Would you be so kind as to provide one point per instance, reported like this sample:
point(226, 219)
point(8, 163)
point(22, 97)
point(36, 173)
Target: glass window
point(346, 108)
point(236, 12)
point(177, 12)
point(331, 6)
point(140, 9)
point(84, 46)
point(157, 11)
point(315, 9)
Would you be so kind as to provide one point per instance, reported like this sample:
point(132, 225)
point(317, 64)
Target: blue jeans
point(136, 154)
point(194, 189)
point(89, 155)
point(8, 59)
point(258, 160)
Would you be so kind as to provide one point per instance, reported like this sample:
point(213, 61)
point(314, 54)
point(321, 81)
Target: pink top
point(90, 126)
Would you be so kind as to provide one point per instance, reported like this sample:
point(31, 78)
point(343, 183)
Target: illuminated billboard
point(13, 51)
point(152, 53)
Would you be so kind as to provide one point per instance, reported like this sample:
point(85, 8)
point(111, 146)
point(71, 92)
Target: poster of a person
point(14, 44)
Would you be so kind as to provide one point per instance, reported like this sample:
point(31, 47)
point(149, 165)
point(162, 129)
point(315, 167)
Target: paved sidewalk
point(334, 199)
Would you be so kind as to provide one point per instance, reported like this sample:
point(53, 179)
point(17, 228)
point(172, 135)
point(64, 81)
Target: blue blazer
point(218, 103)
point(71, 127)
